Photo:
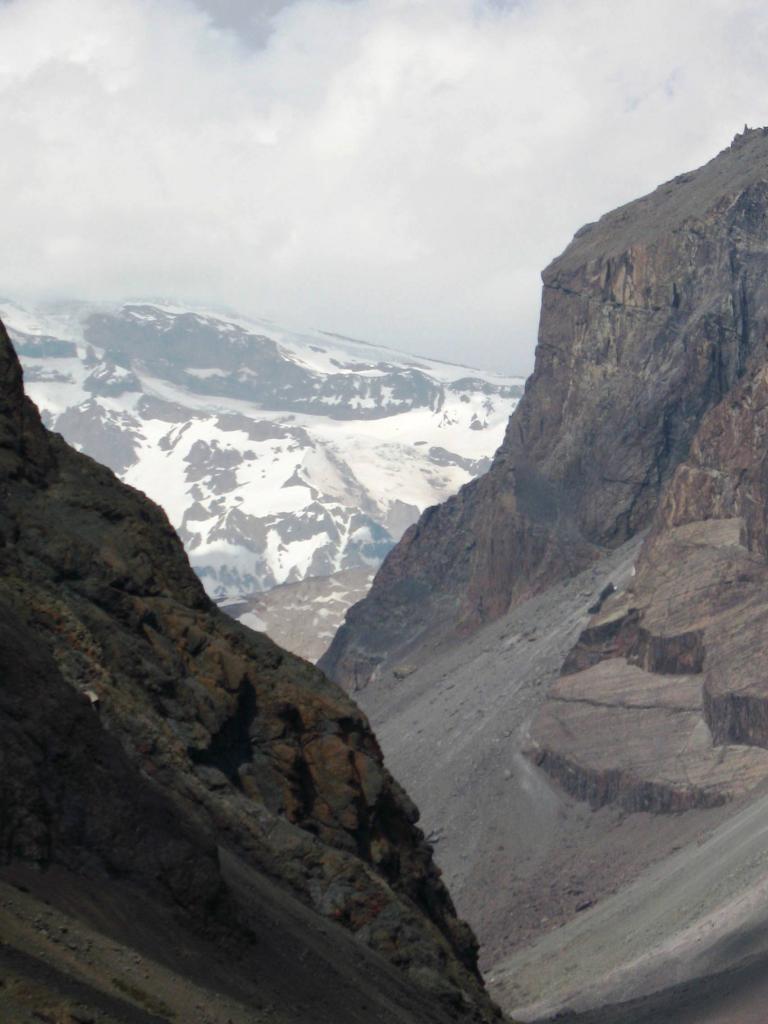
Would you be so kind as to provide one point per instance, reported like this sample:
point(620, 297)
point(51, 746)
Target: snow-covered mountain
point(277, 455)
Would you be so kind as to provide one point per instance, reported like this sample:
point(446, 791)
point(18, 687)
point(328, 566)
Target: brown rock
point(252, 749)
point(608, 730)
point(648, 319)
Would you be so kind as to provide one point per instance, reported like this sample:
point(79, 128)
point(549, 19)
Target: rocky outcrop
point(205, 734)
point(621, 635)
point(648, 319)
point(303, 617)
point(69, 794)
point(662, 703)
point(617, 734)
point(726, 475)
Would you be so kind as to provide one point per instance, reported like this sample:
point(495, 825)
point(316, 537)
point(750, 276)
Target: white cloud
point(394, 169)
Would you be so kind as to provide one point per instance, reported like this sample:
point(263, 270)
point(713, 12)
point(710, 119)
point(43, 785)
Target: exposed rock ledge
point(661, 705)
point(698, 604)
point(615, 733)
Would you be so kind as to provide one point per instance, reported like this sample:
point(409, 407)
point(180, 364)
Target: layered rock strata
point(648, 319)
point(662, 704)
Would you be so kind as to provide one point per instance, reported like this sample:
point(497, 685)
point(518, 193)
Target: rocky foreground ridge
point(153, 747)
point(649, 319)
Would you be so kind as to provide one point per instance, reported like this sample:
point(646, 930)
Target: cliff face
point(666, 680)
point(663, 704)
point(648, 319)
point(205, 735)
point(70, 795)
point(726, 477)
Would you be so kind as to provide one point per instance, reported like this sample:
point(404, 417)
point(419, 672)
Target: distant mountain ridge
point(277, 455)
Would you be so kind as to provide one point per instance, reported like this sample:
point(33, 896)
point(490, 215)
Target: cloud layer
point(398, 170)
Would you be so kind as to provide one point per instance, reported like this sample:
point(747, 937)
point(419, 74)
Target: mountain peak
point(648, 318)
point(279, 456)
point(748, 135)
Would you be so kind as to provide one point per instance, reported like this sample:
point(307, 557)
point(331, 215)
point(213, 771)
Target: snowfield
point(277, 455)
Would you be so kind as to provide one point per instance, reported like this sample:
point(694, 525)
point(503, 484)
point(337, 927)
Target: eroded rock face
point(248, 747)
point(692, 623)
point(726, 475)
point(630, 719)
point(69, 793)
point(648, 319)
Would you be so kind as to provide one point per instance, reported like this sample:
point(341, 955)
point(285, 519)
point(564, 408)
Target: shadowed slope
point(200, 722)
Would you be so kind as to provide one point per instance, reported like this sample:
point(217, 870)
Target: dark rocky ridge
point(648, 319)
point(207, 734)
point(70, 795)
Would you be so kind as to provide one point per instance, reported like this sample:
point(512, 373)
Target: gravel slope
point(72, 952)
point(520, 856)
point(580, 912)
point(703, 911)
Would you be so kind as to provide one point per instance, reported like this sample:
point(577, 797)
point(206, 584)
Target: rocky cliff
point(593, 707)
point(648, 319)
point(148, 739)
point(668, 675)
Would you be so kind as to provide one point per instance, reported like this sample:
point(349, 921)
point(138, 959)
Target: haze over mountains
point(278, 456)
point(563, 664)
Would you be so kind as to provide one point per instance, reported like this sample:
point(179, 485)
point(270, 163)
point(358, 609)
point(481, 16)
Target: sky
point(394, 170)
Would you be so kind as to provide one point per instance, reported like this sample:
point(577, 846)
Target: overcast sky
point(396, 170)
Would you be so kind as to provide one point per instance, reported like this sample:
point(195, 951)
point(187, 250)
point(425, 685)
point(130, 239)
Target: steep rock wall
point(726, 476)
point(697, 606)
point(648, 319)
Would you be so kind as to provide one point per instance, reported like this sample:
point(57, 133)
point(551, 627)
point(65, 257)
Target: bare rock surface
point(646, 706)
point(617, 736)
point(149, 739)
point(697, 601)
point(520, 855)
point(303, 617)
point(648, 319)
point(661, 704)
point(637, 725)
point(693, 616)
